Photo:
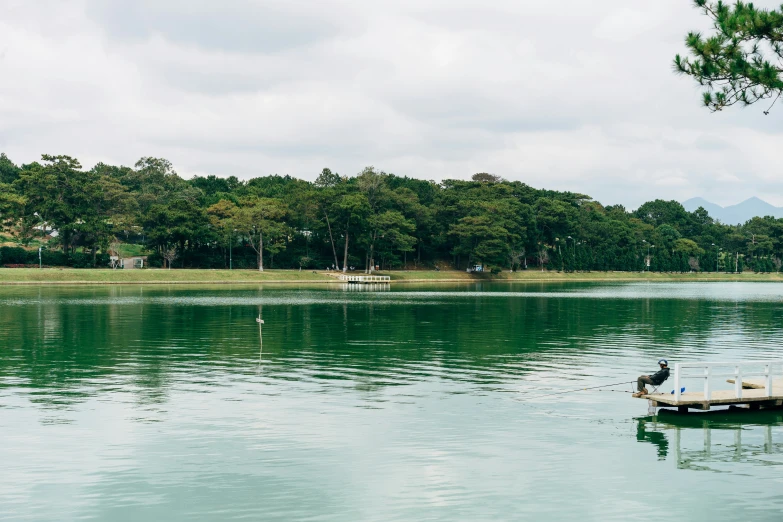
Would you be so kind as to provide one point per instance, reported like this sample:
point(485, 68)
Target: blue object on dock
point(682, 390)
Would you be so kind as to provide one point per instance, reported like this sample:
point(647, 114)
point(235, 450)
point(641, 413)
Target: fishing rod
point(577, 390)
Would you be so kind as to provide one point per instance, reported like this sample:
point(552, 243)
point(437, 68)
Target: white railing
point(740, 371)
point(365, 278)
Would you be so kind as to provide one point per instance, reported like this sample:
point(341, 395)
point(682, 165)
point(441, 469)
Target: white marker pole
point(261, 341)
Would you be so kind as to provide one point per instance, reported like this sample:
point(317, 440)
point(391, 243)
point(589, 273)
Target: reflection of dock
point(766, 392)
point(725, 440)
point(369, 287)
point(365, 279)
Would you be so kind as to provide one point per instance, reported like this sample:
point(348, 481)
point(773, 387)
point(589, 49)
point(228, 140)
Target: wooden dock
point(763, 391)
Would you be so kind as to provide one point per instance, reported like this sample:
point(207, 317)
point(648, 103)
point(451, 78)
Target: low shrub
point(13, 255)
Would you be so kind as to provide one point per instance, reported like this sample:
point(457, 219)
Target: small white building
point(128, 263)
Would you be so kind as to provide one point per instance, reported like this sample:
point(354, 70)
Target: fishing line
point(548, 411)
point(576, 390)
point(551, 412)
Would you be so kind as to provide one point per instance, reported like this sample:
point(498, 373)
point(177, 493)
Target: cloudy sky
point(559, 94)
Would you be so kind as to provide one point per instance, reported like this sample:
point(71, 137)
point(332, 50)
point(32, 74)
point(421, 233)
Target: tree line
point(357, 222)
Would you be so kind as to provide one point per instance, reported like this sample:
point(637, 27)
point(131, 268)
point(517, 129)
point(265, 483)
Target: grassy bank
point(156, 276)
point(153, 276)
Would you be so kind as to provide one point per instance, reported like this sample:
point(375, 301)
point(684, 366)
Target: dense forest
point(353, 223)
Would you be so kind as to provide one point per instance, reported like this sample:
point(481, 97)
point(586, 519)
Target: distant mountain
point(694, 203)
point(733, 214)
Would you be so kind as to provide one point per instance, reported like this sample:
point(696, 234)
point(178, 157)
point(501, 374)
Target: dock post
point(677, 392)
point(738, 381)
point(707, 391)
point(768, 379)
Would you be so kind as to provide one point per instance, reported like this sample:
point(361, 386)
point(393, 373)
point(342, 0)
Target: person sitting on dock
point(655, 379)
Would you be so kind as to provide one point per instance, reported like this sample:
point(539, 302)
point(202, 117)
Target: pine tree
point(740, 62)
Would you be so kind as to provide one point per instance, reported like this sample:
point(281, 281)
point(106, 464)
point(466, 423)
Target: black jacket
point(658, 377)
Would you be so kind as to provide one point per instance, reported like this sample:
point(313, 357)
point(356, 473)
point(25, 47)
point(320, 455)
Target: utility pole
point(560, 253)
point(649, 262)
point(231, 251)
point(716, 258)
point(573, 257)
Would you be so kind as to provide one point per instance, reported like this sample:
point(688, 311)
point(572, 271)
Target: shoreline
point(87, 276)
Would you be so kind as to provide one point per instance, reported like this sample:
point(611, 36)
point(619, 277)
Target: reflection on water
point(370, 287)
point(707, 441)
point(417, 403)
point(653, 436)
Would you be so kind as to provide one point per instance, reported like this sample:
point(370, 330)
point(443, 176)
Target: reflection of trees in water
point(76, 350)
point(691, 438)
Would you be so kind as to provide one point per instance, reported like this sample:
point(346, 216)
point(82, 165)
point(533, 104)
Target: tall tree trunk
point(331, 239)
point(372, 252)
point(260, 251)
point(345, 255)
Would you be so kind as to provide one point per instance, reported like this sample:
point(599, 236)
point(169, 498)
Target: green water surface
point(164, 403)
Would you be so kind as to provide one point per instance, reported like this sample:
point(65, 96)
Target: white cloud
point(568, 95)
point(672, 181)
point(625, 24)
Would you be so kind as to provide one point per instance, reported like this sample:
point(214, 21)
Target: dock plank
point(721, 397)
point(758, 384)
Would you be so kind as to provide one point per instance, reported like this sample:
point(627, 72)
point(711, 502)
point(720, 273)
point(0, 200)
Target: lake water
point(420, 403)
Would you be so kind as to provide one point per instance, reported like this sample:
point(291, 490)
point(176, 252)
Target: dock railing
point(739, 371)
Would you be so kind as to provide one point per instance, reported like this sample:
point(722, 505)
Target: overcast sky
point(568, 94)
